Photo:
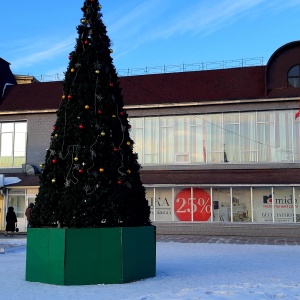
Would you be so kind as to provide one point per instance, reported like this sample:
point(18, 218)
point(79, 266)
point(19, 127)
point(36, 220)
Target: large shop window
point(224, 204)
point(13, 137)
point(265, 136)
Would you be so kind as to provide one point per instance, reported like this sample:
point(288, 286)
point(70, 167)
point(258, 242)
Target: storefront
point(214, 145)
point(19, 199)
point(259, 204)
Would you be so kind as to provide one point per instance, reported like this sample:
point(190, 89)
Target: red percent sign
point(199, 205)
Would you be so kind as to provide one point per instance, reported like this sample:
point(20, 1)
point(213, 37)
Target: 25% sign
point(198, 205)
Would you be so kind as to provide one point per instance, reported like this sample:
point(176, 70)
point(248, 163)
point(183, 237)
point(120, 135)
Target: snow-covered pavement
point(184, 271)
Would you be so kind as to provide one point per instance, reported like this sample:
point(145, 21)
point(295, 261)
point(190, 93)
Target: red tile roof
point(33, 96)
point(212, 85)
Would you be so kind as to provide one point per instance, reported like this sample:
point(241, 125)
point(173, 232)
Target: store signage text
point(196, 208)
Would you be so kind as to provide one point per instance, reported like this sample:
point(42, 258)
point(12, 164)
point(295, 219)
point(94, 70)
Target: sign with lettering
point(198, 205)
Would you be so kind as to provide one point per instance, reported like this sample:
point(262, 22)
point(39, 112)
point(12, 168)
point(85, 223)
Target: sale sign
point(197, 205)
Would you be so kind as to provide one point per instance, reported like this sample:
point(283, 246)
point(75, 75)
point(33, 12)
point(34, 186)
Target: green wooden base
point(82, 256)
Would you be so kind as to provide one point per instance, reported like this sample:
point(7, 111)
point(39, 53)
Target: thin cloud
point(195, 18)
point(134, 20)
point(207, 18)
point(204, 17)
point(37, 56)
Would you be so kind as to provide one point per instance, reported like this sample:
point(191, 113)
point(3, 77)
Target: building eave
point(22, 112)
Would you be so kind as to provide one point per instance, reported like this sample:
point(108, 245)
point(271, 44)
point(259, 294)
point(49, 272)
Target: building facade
point(215, 145)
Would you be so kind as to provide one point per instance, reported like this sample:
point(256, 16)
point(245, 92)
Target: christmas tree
point(91, 175)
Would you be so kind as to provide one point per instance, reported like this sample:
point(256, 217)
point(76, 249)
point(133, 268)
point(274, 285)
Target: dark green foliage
point(91, 175)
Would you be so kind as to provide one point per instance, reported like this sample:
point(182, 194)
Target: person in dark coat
point(28, 213)
point(11, 220)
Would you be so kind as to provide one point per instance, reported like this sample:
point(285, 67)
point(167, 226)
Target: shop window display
point(241, 204)
point(221, 204)
point(283, 204)
point(151, 203)
point(297, 202)
point(160, 201)
point(192, 204)
point(224, 204)
point(262, 204)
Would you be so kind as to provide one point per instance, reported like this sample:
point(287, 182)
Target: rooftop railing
point(204, 66)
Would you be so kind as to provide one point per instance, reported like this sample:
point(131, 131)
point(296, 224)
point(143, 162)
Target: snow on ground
point(185, 271)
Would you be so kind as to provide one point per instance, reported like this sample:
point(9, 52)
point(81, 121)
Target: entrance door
point(18, 203)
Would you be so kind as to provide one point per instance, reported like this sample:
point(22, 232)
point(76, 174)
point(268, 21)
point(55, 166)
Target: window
point(13, 136)
point(264, 136)
point(294, 76)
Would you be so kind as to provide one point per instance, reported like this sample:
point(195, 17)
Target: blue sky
point(37, 36)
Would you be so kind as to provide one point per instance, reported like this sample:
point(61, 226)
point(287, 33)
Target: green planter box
point(82, 256)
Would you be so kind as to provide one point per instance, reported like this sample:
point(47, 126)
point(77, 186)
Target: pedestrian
point(11, 220)
point(28, 213)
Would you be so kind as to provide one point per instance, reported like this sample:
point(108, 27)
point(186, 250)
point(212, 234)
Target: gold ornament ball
point(76, 158)
point(86, 107)
point(56, 135)
point(63, 97)
point(111, 50)
point(129, 171)
point(97, 71)
point(128, 143)
point(102, 133)
point(114, 116)
point(101, 170)
point(53, 180)
point(83, 21)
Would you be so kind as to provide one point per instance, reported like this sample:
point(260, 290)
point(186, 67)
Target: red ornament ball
point(54, 161)
point(86, 42)
point(80, 171)
point(111, 84)
point(121, 113)
point(69, 96)
point(100, 111)
point(81, 126)
point(70, 57)
point(116, 149)
point(120, 182)
point(54, 127)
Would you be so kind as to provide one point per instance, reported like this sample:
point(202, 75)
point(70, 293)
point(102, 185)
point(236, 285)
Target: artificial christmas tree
point(91, 175)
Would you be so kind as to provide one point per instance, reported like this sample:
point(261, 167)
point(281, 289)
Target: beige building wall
point(25, 79)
